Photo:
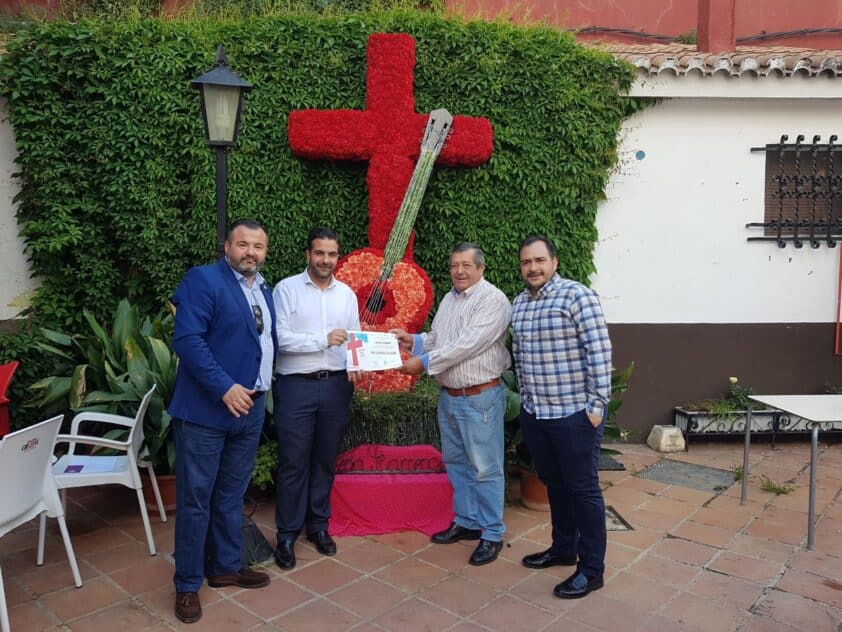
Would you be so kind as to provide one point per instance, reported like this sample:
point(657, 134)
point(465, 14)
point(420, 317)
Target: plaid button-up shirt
point(562, 351)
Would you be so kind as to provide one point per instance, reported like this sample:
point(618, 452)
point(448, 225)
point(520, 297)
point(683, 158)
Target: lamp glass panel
point(221, 103)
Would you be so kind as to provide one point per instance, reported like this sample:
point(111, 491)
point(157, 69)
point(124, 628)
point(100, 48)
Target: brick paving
point(695, 561)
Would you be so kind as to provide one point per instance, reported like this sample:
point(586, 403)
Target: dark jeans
point(310, 419)
point(212, 470)
point(565, 453)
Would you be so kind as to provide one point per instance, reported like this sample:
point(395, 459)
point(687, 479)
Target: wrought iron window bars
point(803, 193)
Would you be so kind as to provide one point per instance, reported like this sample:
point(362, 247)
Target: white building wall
point(672, 237)
point(16, 285)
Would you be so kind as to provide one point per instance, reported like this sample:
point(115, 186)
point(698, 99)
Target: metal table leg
point(811, 513)
point(744, 488)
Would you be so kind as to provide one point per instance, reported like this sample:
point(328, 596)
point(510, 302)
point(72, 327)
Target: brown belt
point(472, 390)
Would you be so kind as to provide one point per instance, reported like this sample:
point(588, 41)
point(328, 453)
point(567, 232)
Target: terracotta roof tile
point(682, 59)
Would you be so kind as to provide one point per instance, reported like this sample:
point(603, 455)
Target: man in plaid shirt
point(563, 360)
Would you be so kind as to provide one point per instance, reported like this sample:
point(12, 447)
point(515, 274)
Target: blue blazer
point(216, 341)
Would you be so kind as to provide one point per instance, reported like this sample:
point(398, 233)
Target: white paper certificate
point(372, 351)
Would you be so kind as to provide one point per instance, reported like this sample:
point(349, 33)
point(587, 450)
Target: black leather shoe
point(577, 585)
point(486, 552)
point(285, 554)
point(545, 559)
point(454, 533)
point(324, 543)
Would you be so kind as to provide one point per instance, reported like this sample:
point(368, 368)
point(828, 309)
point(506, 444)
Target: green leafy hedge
point(117, 193)
point(395, 418)
point(117, 183)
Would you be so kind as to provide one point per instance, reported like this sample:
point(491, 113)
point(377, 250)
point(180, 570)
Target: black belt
point(320, 375)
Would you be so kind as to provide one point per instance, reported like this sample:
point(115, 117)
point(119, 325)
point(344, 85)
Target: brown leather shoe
point(188, 608)
point(245, 578)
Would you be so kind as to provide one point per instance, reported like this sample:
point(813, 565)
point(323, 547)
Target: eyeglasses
point(258, 318)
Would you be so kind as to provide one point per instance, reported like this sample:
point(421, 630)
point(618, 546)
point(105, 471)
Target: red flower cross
point(387, 133)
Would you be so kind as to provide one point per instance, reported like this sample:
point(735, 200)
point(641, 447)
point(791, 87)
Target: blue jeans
point(472, 447)
point(565, 453)
point(212, 470)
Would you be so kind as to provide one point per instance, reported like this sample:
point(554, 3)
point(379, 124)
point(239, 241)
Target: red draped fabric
point(384, 489)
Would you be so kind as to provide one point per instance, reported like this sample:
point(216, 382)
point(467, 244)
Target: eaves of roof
point(752, 61)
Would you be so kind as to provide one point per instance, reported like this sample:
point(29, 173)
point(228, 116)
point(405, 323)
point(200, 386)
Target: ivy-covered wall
point(117, 184)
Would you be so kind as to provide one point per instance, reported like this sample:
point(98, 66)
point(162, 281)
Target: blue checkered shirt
point(562, 351)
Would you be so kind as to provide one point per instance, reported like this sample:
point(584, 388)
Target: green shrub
point(265, 465)
point(395, 418)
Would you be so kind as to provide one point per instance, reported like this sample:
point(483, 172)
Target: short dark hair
point(252, 224)
point(536, 238)
point(479, 255)
point(321, 232)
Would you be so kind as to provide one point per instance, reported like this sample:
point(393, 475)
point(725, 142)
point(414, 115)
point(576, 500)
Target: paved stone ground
point(694, 561)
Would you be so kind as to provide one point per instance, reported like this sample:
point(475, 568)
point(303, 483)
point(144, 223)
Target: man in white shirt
point(312, 393)
point(465, 351)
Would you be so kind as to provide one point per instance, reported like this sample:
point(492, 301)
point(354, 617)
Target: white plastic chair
point(28, 489)
point(78, 470)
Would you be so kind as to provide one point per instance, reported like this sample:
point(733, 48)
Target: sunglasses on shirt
point(258, 318)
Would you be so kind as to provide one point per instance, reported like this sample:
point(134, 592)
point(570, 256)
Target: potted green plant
point(109, 369)
point(533, 492)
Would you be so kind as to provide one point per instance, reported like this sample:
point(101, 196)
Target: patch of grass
point(738, 473)
point(768, 485)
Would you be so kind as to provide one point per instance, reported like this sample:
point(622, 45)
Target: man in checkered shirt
point(563, 360)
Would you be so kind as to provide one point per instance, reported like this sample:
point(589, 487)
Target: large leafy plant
point(109, 369)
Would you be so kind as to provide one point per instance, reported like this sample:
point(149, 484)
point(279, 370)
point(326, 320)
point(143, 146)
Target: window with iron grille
point(803, 193)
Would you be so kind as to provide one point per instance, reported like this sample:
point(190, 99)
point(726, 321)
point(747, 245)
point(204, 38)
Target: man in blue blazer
point(225, 339)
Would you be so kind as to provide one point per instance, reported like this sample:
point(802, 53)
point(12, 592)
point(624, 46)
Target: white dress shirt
point(306, 314)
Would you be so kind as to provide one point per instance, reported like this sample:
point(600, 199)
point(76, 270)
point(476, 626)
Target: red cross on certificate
point(352, 345)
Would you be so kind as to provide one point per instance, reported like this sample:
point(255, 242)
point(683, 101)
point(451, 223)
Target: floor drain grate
point(614, 521)
point(701, 477)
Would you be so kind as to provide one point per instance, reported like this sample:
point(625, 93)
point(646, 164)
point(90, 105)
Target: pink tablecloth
point(385, 502)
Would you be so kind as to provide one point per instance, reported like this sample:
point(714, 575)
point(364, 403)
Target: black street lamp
point(221, 92)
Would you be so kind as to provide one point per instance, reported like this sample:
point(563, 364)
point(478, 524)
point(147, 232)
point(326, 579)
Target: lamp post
point(221, 92)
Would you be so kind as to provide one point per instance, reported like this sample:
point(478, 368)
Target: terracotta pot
point(166, 485)
point(533, 492)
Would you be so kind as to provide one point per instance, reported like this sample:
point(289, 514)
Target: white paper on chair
point(98, 465)
point(372, 351)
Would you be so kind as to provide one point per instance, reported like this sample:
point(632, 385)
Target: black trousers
point(311, 416)
point(565, 453)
